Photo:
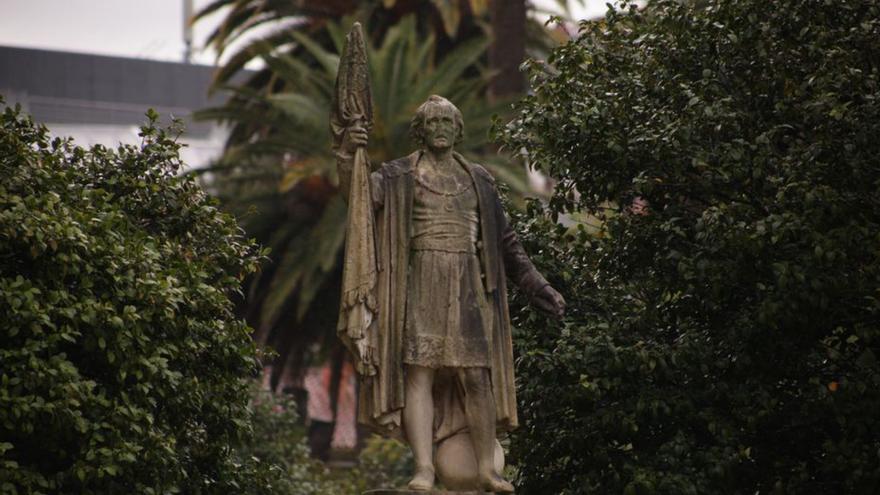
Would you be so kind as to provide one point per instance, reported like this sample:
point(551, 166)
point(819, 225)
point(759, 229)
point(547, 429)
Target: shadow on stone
point(392, 491)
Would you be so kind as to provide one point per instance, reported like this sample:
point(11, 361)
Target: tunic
point(448, 317)
point(501, 258)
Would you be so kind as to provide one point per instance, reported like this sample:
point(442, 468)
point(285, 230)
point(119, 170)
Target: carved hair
point(417, 124)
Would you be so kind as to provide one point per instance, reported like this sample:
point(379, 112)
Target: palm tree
point(452, 22)
point(278, 173)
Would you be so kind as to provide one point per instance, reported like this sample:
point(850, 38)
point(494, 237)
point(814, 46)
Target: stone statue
point(424, 305)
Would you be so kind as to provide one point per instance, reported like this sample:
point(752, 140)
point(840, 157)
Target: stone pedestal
point(391, 491)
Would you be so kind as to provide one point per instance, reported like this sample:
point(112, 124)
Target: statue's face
point(440, 130)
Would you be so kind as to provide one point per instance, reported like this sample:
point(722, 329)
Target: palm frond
point(306, 262)
point(453, 67)
point(329, 61)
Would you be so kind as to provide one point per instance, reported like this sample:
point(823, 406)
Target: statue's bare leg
point(480, 412)
point(418, 422)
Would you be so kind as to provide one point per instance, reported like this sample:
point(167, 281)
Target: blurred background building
point(101, 99)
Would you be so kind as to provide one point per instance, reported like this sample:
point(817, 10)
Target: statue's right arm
point(344, 165)
point(348, 140)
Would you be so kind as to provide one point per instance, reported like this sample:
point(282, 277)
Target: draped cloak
point(382, 396)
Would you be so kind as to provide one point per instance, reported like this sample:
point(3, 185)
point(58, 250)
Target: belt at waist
point(449, 245)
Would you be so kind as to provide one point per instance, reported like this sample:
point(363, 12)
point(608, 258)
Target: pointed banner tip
point(352, 100)
point(356, 30)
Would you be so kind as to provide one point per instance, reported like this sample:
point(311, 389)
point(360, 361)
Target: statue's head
point(437, 124)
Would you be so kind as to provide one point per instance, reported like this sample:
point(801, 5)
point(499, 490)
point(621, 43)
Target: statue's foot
point(423, 479)
point(495, 484)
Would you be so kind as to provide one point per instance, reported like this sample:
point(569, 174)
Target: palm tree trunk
point(508, 49)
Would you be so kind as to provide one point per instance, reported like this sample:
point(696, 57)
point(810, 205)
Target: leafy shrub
point(724, 338)
point(122, 366)
point(279, 443)
point(279, 446)
point(384, 463)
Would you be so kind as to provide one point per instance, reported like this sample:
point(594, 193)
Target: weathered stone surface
point(392, 491)
point(456, 463)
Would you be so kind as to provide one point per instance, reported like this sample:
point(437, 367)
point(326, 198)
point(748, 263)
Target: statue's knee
point(419, 377)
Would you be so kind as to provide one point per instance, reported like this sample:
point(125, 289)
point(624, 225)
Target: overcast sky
point(150, 29)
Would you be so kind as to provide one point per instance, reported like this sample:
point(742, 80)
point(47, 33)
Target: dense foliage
point(122, 367)
point(279, 441)
point(724, 320)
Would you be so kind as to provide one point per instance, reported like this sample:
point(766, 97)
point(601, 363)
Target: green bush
point(383, 463)
point(122, 366)
point(725, 339)
point(279, 446)
point(279, 442)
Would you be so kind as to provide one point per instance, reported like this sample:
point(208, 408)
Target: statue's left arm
point(521, 271)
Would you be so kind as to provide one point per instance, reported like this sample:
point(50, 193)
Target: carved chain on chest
point(462, 184)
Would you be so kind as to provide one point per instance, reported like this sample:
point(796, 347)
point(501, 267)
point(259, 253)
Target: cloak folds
point(382, 394)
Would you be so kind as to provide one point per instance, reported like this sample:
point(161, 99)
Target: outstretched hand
point(550, 301)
